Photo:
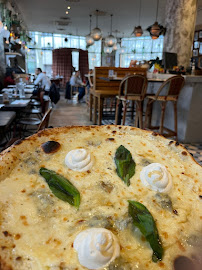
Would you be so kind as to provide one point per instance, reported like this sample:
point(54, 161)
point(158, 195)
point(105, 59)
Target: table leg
point(100, 110)
point(120, 108)
point(95, 110)
point(91, 105)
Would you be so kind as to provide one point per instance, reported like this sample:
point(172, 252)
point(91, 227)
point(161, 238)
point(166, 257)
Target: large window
point(139, 48)
point(42, 45)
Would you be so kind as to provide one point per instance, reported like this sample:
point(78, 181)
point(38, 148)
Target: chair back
point(133, 85)
point(45, 120)
point(171, 87)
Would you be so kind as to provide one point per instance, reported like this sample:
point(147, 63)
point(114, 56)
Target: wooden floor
point(69, 114)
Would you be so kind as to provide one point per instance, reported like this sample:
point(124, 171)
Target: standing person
point(42, 80)
point(76, 81)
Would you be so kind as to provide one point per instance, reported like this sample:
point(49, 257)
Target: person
point(9, 78)
point(75, 81)
point(42, 80)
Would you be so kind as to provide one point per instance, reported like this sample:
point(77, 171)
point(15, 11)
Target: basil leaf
point(146, 224)
point(125, 165)
point(62, 188)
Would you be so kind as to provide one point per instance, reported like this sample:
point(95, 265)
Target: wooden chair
point(103, 89)
point(172, 88)
point(31, 121)
point(45, 120)
point(43, 124)
point(132, 88)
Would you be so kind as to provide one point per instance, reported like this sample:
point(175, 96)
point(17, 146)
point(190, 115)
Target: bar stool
point(132, 88)
point(172, 88)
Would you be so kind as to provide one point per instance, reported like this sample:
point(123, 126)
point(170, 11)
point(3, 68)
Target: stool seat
point(29, 121)
point(163, 98)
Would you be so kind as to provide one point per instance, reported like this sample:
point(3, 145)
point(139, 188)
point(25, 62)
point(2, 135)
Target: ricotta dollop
point(79, 160)
point(156, 177)
point(96, 247)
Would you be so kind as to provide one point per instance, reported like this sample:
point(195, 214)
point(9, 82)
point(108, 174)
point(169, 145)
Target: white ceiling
point(41, 15)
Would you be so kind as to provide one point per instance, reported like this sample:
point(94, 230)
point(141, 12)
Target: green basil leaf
point(125, 165)
point(62, 188)
point(146, 224)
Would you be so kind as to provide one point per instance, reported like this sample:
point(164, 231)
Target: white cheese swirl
point(79, 160)
point(96, 247)
point(156, 177)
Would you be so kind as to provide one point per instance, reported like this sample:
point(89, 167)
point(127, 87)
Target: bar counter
point(189, 109)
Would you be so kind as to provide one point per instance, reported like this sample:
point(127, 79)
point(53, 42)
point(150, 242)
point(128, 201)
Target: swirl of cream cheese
point(156, 177)
point(79, 160)
point(96, 247)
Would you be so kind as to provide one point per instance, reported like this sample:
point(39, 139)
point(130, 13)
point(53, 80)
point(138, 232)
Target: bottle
point(20, 87)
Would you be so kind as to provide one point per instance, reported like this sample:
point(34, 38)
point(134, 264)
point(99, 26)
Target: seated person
point(9, 78)
point(76, 81)
point(42, 81)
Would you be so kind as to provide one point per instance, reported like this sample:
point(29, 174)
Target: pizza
point(107, 197)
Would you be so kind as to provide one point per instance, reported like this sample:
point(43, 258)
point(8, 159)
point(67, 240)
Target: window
point(42, 45)
point(94, 55)
point(75, 60)
point(139, 48)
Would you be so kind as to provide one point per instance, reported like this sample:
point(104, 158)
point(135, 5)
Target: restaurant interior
point(83, 62)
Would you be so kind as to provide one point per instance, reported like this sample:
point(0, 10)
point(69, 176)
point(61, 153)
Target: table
point(16, 105)
point(11, 88)
point(6, 118)
point(111, 79)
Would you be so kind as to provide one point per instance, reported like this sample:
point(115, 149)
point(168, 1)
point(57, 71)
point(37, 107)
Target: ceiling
point(44, 15)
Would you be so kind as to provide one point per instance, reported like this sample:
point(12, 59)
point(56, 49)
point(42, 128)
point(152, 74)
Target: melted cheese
point(41, 228)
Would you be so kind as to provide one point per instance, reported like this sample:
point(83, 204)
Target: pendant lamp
point(96, 33)
point(108, 49)
point(138, 29)
point(89, 40)
point(110, 40)
point(115, 47)
point(156, 29)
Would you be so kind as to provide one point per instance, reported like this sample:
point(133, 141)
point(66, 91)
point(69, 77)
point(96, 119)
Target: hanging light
point(115, 47)
point(110, 40)
point(156, 29)
point(138, 29)
point(89, 40)
point(96, 32)
point(108, 49)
